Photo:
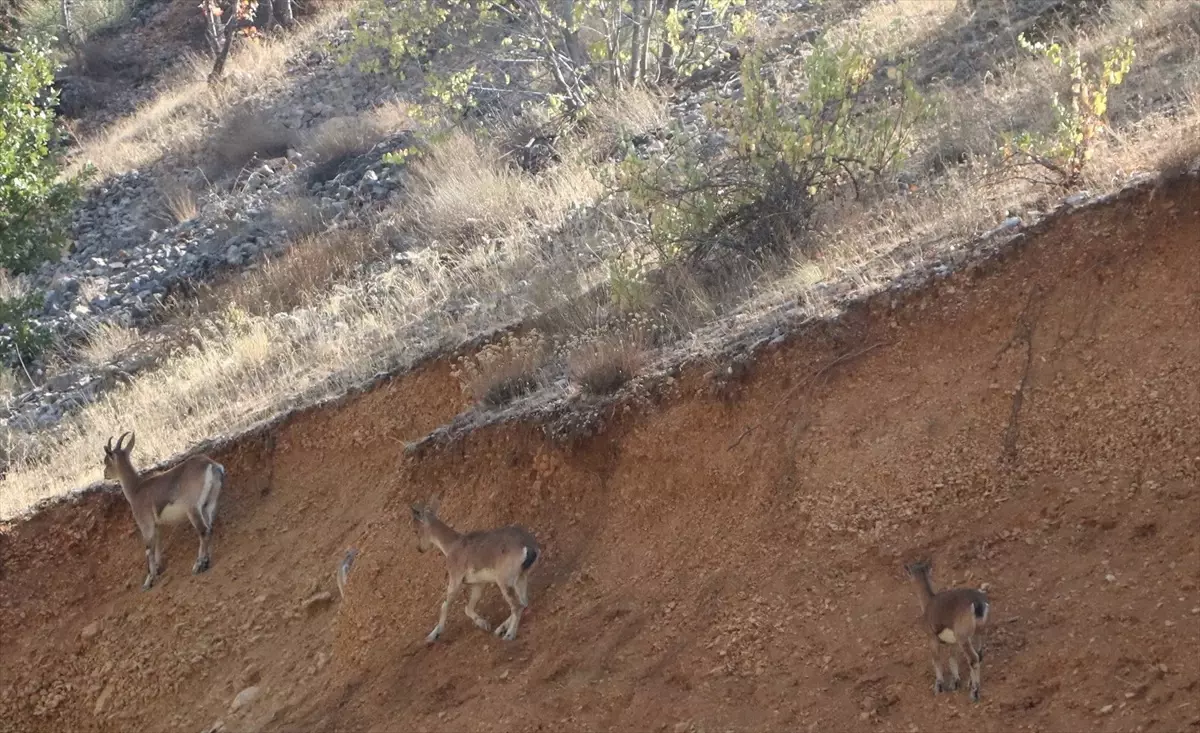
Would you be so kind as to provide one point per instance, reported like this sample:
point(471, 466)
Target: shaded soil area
point(713, 561)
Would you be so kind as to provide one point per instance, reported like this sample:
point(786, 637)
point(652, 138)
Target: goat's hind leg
point(204, 529)
point(974, 660)
point(508, 629)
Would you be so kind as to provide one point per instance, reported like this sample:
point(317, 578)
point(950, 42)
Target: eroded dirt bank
point(713, 562)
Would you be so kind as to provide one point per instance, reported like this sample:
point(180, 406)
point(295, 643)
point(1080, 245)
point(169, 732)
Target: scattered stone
point(317, 601)
point(90, 631)
point(244, 699)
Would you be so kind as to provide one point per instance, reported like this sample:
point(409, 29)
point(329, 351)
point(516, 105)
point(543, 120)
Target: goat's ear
point(416, 512)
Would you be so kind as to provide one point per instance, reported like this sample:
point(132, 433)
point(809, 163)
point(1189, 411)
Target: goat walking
point(504, 556)
point(953, 616)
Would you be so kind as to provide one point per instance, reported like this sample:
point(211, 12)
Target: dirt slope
point(713, 562)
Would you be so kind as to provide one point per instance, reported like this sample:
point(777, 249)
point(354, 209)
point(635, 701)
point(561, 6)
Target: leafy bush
point(794, 137)
point(562, 50)
point(34, 205)
point(1060, 156)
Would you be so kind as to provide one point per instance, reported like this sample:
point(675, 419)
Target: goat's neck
point(442, 534)
point(924, 589)
point(128, 476)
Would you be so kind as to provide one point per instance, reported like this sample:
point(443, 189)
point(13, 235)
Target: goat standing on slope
point(952, 616)
point(189, 490)
point(503, 556)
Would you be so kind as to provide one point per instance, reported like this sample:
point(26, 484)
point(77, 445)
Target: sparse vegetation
point(462, 50)
point(734, 200)
point(1061, 154)
point(503, 371)
point(798, 136)
point(341, 139)
point(601, 363)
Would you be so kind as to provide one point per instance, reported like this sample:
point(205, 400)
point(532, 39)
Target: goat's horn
point(121, 440)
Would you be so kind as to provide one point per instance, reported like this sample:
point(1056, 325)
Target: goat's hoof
point(938, 687)
point(502, 629)
point(974, 694)
point(483, 624)
point(954, 684)
point(509, 636)
point(147, 584)
point(201, 566)
point(433, 636)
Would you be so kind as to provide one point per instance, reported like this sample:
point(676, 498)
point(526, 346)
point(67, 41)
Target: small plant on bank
point(1059, 157)
point(600, 361)
point(796, 137)
point(503, 371)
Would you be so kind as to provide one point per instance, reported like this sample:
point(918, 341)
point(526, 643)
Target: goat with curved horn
point(189, 490)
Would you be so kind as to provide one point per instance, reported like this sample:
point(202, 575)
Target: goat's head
point(422, 517)
point(919, 569)
point(115, 456)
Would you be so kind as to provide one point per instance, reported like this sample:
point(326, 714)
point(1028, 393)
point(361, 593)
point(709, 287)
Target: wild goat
point(952, 616)
point(503, 556)
point(189, 490)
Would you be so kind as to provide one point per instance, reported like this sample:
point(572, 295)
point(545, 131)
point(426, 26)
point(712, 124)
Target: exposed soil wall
point(713, 562)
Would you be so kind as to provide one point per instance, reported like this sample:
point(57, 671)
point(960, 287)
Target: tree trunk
point(65, 6)
point(638, 13)
point(231, 26)
point(666, 67)
point(286, 14)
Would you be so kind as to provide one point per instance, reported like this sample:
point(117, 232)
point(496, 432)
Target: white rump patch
point(173, 513)
point(947, 636)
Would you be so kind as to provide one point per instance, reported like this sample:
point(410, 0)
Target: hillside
point(810, 291)
point(713, 560)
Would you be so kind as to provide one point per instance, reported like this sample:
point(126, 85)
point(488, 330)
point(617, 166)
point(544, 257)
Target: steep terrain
point(714, 561)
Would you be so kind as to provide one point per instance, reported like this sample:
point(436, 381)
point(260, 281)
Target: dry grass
point(179, 120)
point(463, 194)
point(604, 365)
point(106, 342)
point(503, 371)
point(244, 137)
point(179, 202)
point(489, 250)
point(341, 139)
point(299, 215)
point(303, 273)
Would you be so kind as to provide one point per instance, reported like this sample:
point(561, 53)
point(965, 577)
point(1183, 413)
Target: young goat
point(953, 616)
point(189, 490)
point(503, 556)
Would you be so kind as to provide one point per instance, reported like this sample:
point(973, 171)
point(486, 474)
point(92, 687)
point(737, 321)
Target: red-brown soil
point(713, 561)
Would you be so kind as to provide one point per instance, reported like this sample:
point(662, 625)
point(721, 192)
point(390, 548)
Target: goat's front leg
point(452, 589)
point(939, 682)
point(150, 538)
point(480, 621)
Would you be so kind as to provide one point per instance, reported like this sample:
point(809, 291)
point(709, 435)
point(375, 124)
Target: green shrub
point(1060, 156)
point(794, 138)
point(34, 205)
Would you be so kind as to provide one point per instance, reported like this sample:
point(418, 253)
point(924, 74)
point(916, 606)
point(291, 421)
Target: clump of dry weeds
point(342, 139)
point(504, 371)
point(306, 270)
